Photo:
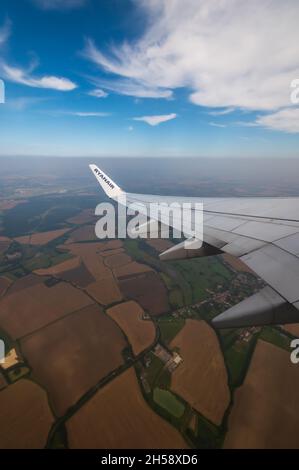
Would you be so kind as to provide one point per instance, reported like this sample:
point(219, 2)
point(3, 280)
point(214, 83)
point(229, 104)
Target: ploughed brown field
point(118, 417)
point(131, 269)
point(117, 260)
point(159, 244)
point(140, 333)
point(111, 245)
point(265, 413)
point(71, 355)
point(79, 276)
point(90, 255)
point(59, 268)
point(84, 217)
point(85, 233)
point(115, 251)
point(41, 238)
point(24, 282)
point(105, 291)
point(292, 328)
point(30, 304)
point(4, 284)
point(201, 378)
point(148, 290)
point(25, 416)
point(100, 283)
point(72, 270)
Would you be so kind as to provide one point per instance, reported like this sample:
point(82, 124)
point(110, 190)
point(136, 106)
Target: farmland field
point(293, 328)
point(86, 216)
point(84, 233)
point(73, 270)
point(60, 268)
point(131, 269)
point(148, 290)
point(169, 402)
point(201, 378)
point(78, 309)
point(25, 416)
point(29, 308)
point(73, 354)
point(265, 413)
point(90, 255)
point(41, 238)
point(140, 333)
point(105, 291)
point(4, 284)
point(117, 260)
point(118, 417)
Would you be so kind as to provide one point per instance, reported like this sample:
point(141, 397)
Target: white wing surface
point(262, 232)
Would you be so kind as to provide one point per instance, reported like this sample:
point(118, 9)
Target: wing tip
point(111, 189)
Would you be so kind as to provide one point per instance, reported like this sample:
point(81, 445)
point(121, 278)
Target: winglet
point(110, 188)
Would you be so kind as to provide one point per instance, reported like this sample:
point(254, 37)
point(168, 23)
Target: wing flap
point(278, 268)
point(266, 307)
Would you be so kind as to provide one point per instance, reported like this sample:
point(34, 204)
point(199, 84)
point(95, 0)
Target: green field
point(169, 402)
point(17, 373)
point(276, 337)
point(208, 436)
point(169, 328)
point(202, 274)
point(237, 359)
point(176, 298)
point(156, 374)
point(188, 280)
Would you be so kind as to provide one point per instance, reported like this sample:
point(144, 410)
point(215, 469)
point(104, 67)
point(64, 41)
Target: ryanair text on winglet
point(104, 178)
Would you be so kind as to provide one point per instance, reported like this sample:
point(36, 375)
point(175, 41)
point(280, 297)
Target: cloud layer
point(228, 53)
point(286, 120)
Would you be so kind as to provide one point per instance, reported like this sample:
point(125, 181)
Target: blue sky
point(148, 78)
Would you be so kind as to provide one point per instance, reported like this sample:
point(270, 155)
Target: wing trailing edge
point(187, 250)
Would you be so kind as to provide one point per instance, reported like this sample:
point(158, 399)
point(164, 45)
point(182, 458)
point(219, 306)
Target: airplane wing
point(262, 232)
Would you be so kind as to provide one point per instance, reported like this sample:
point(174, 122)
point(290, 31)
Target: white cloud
point(229, 53)
point(86, 114)
point(133, 88)
point(286, 120)
point(98, 93)
point(124, 86)
point(216, 124)
point(155, 120)
point(221, 112)
point(59, 4)
point(5, 30)
point(23, 77)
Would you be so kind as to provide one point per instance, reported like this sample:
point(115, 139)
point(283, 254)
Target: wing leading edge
point(262, 232)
